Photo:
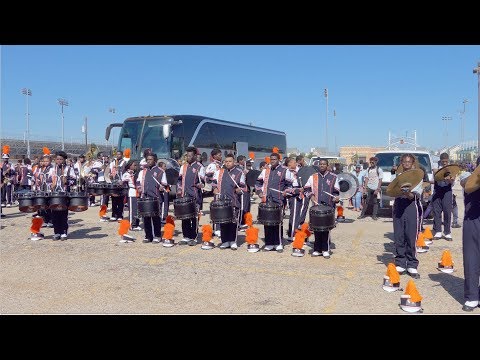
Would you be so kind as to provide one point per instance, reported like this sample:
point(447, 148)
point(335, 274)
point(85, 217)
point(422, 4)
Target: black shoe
point(2, 216)
point(468, 308)
point(361, 217)
point(147, 240)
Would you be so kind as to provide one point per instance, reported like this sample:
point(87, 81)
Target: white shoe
point(217, 233)
point(413, 273)
point(104, 219)
point(183, 241)
point(136, 228)
point(268, 248)
point(400, 269)
point(35, 237)
point(63, 237)
point(279, 248)
point(437, 235)
point(448, 237)
point(127, 239)
point(9, 205)
point(207, 246)
point(298, 252)
point(113, 219)
point(316, 253)
point(225, 245)
point(168, 243)
point(326, 254)
point(233, 245)
point(156, 240)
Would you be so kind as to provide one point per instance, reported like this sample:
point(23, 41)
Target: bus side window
point(177, 147)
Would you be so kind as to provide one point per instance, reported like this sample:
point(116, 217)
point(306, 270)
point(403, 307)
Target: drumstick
point(333, 196)
point(279, 191)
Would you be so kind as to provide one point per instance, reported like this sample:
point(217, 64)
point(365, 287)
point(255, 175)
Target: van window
point(387, 160)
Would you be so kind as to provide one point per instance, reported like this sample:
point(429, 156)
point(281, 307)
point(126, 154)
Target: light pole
point(462, 122)
point(85, 131)
point(446, 119)
point(325, 92)
point(27, 92)
point(477, 71)
point(112, 110)
point(335, 130)
point(63, 103)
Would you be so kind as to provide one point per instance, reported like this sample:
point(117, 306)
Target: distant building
point(358, 153)
point(317, 151)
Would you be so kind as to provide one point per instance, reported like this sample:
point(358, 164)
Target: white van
point(389, 158)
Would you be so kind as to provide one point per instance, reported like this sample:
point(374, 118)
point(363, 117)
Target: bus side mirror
point(166, 130)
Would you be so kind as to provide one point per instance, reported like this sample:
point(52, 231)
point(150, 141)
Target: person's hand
point(199, 186)
point(336, 199)
point(238, 190)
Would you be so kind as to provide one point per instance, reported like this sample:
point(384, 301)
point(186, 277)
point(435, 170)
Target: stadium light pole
point(27, 92)
point(462, 120)
point(477, 71)
point(112, 110)
point(63, 103)
point(325, 92)
point(446, 119)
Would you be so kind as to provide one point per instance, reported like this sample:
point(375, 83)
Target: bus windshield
point(151, 137)
point(387, 160)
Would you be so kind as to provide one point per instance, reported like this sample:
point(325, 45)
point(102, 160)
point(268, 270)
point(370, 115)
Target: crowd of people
point(277, 183)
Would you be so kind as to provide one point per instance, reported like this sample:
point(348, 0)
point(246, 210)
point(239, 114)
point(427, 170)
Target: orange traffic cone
point(446, 264)
point(124, 225)
point(251, 237)
point(411, 301)
point(420, 245)
point(298, 242)
point(391, 281)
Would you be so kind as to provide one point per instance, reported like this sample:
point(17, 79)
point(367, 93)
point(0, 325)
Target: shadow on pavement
point(452, 284)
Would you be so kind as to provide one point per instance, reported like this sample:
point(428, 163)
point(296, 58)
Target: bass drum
point(270, 213)
point(148, 206)
point(25, 202)
point(184, 208)
point(221, 211)
point(322, 217)
point(78, 201)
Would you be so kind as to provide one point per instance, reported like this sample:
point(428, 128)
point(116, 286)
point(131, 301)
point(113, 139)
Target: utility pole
point(62, 103)
point(85, 131)
point(462, 122)
point(27, 93)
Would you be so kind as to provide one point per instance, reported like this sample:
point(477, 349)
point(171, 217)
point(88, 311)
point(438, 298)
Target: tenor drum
point(148, 206)
point(270, 213)
point(221, 211)
point(40, 200)
point(184, 208)
point(96, 189)
point(322, 217)
point(115, 189)
point(25, 202)
point(78, 201)
point(58, 200)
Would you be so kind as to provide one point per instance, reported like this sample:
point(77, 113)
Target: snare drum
point(221, 211)
point(270, 213)
point(115, 189)
point(148, 206)
point(184, 208)
point(322, 217)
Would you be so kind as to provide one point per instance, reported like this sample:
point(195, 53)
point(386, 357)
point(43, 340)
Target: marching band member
point(130, 177)
point(41, 184)
point(116, 170)
point(245, 196)
point(296, 202)
point(442, 202)
point(406, 224)
point(210, 170)
point(9, 178)
point(98, 169)
point(61, 178)
point(151, 182)
point(471, 238)
point(190, 183)
point(316, 184)
point(165, 195)
point(273, 177)
point(230, 183)
point(25, 175)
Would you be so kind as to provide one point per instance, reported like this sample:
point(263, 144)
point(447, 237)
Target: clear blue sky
point(373, 89)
